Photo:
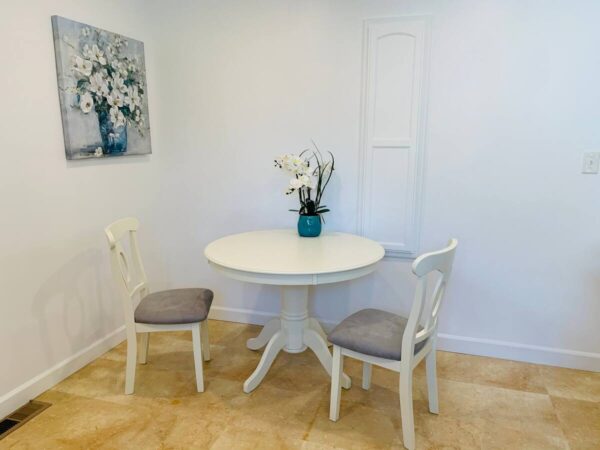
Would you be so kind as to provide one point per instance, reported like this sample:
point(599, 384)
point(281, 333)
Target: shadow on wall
point(80, 295)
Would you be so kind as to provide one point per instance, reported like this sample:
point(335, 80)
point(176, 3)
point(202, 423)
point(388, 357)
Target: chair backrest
point(425, 308)
point(127, 268)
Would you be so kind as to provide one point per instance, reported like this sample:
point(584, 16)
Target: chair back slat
point(127, 267)
point(423, 319)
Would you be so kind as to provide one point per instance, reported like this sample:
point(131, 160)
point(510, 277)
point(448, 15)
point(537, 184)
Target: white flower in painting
point(136, 99)
point(97, 82)
point(98, 55)
point(115, 98)
point(87, 68)
point(123, 68)
point(120, 120)
point(131, 67)
point(114, 112)
point(119, 84)
point(117, 117)
point(86, 102)
point(104, 91)
point(87, 51)
point(83, 66)
point(85, 31)
point(98, 152)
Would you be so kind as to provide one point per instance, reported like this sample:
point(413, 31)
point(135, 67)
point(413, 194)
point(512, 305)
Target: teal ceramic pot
point(309, 226)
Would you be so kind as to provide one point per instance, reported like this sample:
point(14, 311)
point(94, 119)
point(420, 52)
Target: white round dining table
point(282, 257)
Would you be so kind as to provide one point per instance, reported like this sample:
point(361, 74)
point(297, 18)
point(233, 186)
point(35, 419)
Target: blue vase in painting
point(114, 139)
point(309, 226)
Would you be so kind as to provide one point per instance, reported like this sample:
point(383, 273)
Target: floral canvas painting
point(102, 90)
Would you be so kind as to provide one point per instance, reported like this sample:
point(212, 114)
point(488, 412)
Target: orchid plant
point(311, 174)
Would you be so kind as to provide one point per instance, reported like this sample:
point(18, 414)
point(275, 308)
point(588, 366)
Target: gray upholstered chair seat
point(174, 306)
point(372, 332)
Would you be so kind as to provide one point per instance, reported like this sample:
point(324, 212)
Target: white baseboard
point(536, 354)
point(49, 378)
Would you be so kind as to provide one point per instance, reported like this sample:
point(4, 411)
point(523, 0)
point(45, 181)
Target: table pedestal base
point(292, 332)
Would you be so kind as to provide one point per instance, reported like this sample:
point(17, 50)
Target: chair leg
point(366, 379)
point(337, 371)
point(205, 341)
point(198, 356)
point(432, 388)
point(131, 362)
point(406, 408)
point(143, 355)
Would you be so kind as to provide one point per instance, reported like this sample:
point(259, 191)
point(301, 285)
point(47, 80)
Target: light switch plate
point(591, 162)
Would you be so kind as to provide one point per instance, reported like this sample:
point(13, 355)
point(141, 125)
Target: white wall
point(57, 298)
point(514, 101)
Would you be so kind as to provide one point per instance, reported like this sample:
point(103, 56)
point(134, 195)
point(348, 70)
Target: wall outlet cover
point(591, 162)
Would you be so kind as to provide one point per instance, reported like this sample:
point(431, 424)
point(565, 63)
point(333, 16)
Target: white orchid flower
point(292, 163)
point(295, 183)
point(306, 181)
point(98, 152)
point(86, 103)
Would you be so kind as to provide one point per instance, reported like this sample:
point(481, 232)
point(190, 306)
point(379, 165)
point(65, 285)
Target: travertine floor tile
point(569, 383)
point(77, 422)
point(498, 437)
point(484, 403)
point(580, 421)
point(490, 371)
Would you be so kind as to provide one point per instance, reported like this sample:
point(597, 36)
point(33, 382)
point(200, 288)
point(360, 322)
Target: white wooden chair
point(394, 342)
point(171, 310)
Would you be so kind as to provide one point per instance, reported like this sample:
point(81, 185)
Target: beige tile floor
point(485, 404)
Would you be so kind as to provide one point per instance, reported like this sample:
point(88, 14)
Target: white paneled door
point(392, 131)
